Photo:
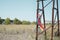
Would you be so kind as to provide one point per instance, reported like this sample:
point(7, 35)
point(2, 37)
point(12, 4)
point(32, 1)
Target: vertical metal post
point(37, 20)
point(57, 16)
point(52, 21)
point(43, 17)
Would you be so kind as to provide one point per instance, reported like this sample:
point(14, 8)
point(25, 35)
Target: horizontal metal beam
point(55, 8)
point(40, 0)
point(41, 9)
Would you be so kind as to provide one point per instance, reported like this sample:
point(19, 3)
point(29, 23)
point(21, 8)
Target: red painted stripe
point(39, 23)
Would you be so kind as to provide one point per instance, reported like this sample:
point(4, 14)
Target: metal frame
point(53, 8)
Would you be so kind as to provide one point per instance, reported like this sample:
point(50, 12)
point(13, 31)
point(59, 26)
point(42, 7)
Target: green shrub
point(17, 21)
point(1, 20)
point(26, 22)
point(7, 21)
point(33, 22)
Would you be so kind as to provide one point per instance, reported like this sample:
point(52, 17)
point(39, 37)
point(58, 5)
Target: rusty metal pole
point(57, 15)
point(52, 21)
point(43, 17)
point(37, 20)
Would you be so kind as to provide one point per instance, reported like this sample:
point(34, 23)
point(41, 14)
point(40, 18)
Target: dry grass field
point(21, 32)
point(17, 32)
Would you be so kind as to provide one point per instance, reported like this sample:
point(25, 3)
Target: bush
point(7, 21)
point(26, 22)
point(16, 21)
point(33, 22)
point(1, 20)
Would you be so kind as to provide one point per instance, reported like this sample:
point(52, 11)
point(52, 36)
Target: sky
point(22, 9)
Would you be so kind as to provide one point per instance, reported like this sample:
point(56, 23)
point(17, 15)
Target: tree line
point(15, 21)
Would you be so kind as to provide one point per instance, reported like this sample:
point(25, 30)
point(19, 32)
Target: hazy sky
point(22, 9)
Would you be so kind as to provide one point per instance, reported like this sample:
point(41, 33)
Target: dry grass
point(17, 32)
point(16, 27)
point(22, 32)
